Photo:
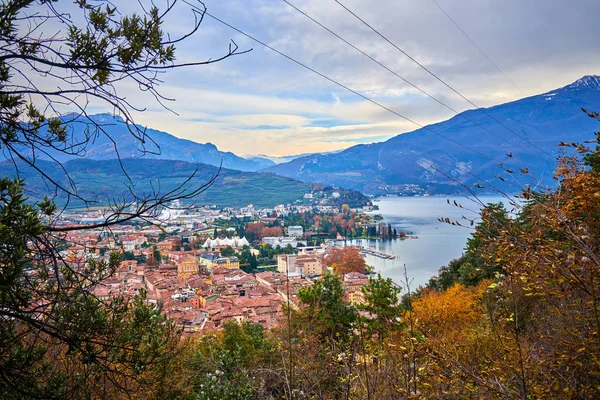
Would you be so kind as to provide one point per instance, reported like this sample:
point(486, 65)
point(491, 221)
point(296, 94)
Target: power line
point(344, 86)
point(401, 77)
point(476, 46)
point(438, 78)
point(354, 92)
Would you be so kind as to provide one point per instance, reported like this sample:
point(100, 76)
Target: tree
point(444, 315)
point(42, 74)
point(547, 294)
point(162, 236)
point(383, 305)
point(157, 256)
point(127, 255)
point(531, 331)
point(471, 268)
point(252, 262)
point(227, 251)
point(229, 365)
point(326, 309)
point(57, 339)
point(345, 260)
point(270, 232)
point(254, 231)
point(592, 158)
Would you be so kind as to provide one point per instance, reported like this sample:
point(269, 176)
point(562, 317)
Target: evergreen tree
point(329, 315)
point(382, 302)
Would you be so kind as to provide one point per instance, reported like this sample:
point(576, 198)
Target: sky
point(263, 103)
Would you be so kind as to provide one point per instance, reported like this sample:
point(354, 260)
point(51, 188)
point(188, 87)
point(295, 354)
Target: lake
point(437, 242)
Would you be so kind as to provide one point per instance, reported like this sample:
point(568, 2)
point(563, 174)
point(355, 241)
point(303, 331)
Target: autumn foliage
point(445, 315)
point(517, 317)
point(258, 230)
point(345, 259)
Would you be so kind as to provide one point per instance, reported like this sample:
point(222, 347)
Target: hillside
point(408, 163)
point(104, 180)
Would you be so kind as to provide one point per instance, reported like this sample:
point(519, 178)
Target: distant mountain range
point(269, 161)
point(423, 162)
point(479, 145)
point(163, 145)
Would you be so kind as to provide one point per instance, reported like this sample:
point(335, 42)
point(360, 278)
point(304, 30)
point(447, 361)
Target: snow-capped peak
point(587, 82)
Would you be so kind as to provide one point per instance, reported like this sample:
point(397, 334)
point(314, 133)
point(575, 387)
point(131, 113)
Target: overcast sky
point(262, 103)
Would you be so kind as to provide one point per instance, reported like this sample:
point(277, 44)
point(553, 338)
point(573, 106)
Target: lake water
point(437, 242)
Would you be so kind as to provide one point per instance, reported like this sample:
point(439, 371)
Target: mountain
point(263, 162)
point(162, 145)
point(528, 129)
point(269, 161)
point(102, 181)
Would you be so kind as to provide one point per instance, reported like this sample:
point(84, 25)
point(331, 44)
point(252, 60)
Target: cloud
point(261, 102)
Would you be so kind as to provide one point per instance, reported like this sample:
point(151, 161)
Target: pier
point(377, 253)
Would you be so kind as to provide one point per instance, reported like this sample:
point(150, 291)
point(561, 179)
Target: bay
point(436, 244)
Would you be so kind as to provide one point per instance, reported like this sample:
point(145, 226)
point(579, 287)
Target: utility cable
point(403, 79)
point(477, 47)
point(354, 92)
point(345, 87)
point(440, 79)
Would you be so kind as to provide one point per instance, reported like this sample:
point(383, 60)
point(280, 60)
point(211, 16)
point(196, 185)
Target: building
point(296, 231)
point(187, 266)
point(129, 265)
point(286, 263)
point(309, 264)
point(301, 264)
point(356, 297)
point(211, 262)
point(234, 242)
point(169, 244)
point(281, 241)
point(207, 260)
point(353, 282)
point(226, 262)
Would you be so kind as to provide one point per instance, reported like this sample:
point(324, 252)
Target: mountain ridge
point(409, 163)
point(114, 132)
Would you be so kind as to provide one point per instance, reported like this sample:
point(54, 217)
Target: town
point(204, 266)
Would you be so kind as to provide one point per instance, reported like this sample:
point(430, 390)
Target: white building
point(281, 241)
point(234, 242)
point(129, 245)
point(296, 231)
